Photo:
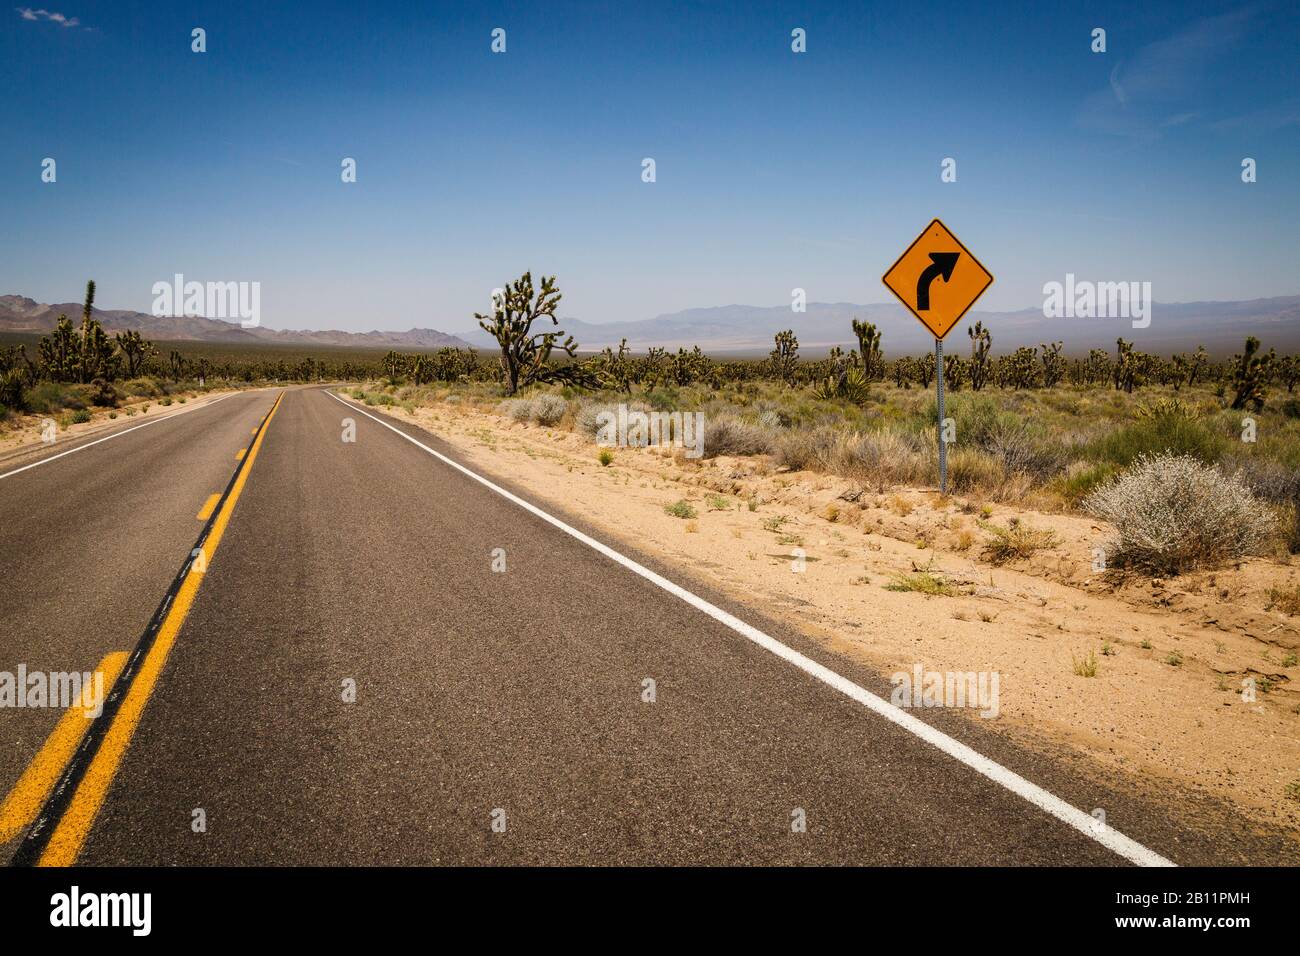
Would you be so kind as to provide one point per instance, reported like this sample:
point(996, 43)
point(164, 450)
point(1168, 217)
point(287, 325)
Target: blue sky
point(775, 170)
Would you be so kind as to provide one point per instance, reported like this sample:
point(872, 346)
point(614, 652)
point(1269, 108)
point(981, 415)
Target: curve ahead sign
point(938, 279)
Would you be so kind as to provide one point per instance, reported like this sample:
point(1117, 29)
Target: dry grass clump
point(888, 456)
point(1017, 540)
point(1286, 600)
point(922, 581)
point(1173, 513)
point(729, 435)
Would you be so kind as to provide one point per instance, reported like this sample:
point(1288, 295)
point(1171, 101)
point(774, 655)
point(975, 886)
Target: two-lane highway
point(388, 660)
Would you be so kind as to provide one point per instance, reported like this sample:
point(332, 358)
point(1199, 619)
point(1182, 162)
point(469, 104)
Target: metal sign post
point(938, 280)
point(943, 445)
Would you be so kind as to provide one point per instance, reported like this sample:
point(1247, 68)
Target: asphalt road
point(499, 717)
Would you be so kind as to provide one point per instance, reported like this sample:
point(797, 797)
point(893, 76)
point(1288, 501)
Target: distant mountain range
point(20, 314)
point(1221, 327)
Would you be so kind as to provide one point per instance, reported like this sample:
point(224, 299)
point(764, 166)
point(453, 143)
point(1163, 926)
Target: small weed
point(1107, 649)
point(775, 523)
point(1174, 659)
point(1017, 540)
point(923, 581)
point(680, 509)
point(718, 503)
point(606, 457)
point(1085, 666)
point(1145, 645)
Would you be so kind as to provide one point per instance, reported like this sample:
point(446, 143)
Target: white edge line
point(125, 431)
point(1108, 837)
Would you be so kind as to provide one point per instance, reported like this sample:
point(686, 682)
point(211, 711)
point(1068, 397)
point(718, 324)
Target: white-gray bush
point(1173, 513)
point(548, 409)
point(517, 409)
point(728, 435)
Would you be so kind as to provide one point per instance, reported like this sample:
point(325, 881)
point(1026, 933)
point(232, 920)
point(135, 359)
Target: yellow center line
point(26, 798)
point(72, 829)
point(206, 511)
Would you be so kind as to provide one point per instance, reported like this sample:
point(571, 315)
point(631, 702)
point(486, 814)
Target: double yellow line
point(71, 823)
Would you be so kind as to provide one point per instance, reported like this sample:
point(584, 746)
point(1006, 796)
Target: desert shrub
point(103, 394)
point(585, 421)
point(885, 455)
point(1082, 479)
point(1165, 429)
point(728, 435)
point(1290, 408)
point(516, 409)
point(547, 409)
point(1286, 600)
point(972, 469)
point(80, 416)
point(1173, 513)
point(1023, 449)
point(1270, 480)
point(52, 397)
point(11, 389)
point(146, 387)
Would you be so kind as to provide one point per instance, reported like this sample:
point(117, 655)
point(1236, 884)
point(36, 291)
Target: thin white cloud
point(27, 13)
point(1158, 85)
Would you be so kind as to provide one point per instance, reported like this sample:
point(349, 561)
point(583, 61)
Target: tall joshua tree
point(981, 340)
point(1250, 375)
point(525, 354)
point(785, 356)
point(868, 348)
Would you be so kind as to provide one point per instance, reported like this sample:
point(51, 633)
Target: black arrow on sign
point(942, 265)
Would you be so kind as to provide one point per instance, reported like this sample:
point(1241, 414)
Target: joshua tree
point(525, 354)
point(785, 356)
point(135, 349)
point(981, 340)
point(1288, 372)
point(868, 348)
point(1250, 375)
point(178, 365)
point(1053, 364)
point(954, 370)
point(1021, 368)
point(1128, 366)
point(902, 371)
point(924, 369)
point(1197, 364)
point(60, 353)
point(616, 367)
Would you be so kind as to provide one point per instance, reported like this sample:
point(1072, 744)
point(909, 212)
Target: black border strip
point(56, 804)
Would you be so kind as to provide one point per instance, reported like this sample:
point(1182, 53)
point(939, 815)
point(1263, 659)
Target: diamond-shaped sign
point(938, 279)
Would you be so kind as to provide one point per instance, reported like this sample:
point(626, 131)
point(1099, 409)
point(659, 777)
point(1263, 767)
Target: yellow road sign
point(938, 279)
